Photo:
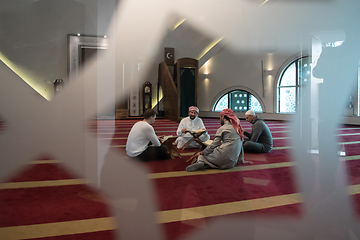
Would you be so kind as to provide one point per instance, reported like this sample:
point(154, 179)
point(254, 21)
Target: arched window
point(238, 101)
point(294, 75)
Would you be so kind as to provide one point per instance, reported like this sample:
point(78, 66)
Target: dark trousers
point(256, 147)
point(154, 153)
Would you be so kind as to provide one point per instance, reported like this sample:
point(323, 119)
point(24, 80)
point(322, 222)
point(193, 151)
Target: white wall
point(231, 68)
point(33, 37)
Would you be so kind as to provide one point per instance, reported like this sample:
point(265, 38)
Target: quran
point(168, 142)
point(196, 133)
point(208, 142)
point(166, 138)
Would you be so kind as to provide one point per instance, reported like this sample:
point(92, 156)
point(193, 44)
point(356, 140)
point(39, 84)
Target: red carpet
point(222, 188)
point(273, 177)
point(204, 190)
point(103, 235)
point(51, 204)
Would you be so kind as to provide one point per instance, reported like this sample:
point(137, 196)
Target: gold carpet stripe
point(164, 131)
point(353, 189)
point(274, 148)
point(171, 127)
point(281, 148)
point(57, 229)
point(280, 132)
point(348, 134)
point(356, 157)
point(235, 207)
point(215, 171)
point(44, 161)
point(130, 126)
point(108, 223)
point(345, 143)
point(127, 132)
point(35, 184)
point(275, 138)
point(281, 138)
point(235, 169)
point(226, 208)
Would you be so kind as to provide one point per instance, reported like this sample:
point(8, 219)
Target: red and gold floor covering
point(45, 201)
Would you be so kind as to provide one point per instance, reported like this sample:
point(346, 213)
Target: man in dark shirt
point(260, 139)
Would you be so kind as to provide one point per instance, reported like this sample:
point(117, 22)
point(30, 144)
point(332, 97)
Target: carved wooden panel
point(171, 87)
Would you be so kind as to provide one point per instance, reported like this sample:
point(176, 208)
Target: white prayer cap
point(193, 108)
point(250, 112)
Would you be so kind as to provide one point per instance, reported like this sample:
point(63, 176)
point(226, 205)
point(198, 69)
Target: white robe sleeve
point(180, 127)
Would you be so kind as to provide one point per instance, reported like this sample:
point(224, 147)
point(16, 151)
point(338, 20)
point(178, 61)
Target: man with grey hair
point(260, 139)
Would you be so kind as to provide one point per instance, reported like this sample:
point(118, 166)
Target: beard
point(192, 117)
point(222, 122)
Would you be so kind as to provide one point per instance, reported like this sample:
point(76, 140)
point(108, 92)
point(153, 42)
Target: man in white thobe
point(190, 123)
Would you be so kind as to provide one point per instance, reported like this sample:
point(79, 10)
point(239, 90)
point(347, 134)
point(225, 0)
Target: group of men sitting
point(224, 150)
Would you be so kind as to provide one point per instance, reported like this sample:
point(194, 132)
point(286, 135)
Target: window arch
point(238, 101)
point(292, 78)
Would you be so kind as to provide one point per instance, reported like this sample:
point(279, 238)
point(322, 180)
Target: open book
point(196, 133)
point(208, 142)
point(166, 138)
